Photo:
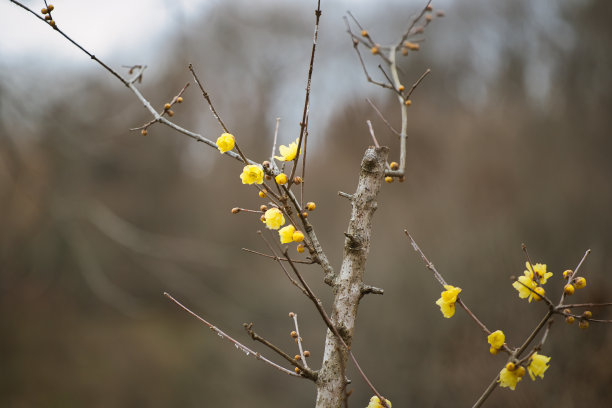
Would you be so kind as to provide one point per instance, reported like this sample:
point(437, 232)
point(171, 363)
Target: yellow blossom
point(286, 234)
point(497, 339)
point(288, 153)
point(274, 218)
point(447, 300)
point(509, 378)
point(523, 285)
point(540, 272)
point(538, 365)
point(375, 403)
point(225, 142)
point(252, 173)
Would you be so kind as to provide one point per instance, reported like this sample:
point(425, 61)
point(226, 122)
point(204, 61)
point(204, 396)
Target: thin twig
point(413, 23)
point(236, 343)
point(487, 392)
point(214, 112)
point(416, 84)
point(306, 372)
point(428, 264)
point(304, 122)
point(572, 305)
point(588, 251)
point(372, 133)
point(276, 258)
point(275, 139)
point(207, 97)
point(299, 339)
point(380, 115)
point(93, 57)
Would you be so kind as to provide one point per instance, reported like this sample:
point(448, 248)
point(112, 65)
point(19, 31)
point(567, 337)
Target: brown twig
point(304, 122)
point(380, 115)
point(238, 345)
point(305, 371)
point(214, 112)
point(276, 258)
point(299, 338)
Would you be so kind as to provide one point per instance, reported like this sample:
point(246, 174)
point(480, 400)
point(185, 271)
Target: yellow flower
point(252, 173)
point(281, 179)
point(540, 272)
point(509, 378)
point(225, 142)
point(447, 300)
point(375, 403)
point(286, 234)
point(288, 153)
point(497, 339)
point(274, 218)
point(523, 285)
point(538, 365)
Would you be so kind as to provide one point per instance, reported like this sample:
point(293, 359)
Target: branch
point(238, 345)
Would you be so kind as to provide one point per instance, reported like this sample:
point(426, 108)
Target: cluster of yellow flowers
point(529, 285)
point(254, 174)
point(511, 374)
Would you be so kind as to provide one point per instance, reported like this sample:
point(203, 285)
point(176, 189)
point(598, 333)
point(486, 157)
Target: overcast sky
point(119, 27)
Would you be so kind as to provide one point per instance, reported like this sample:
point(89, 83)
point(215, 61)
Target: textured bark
point(348, 283)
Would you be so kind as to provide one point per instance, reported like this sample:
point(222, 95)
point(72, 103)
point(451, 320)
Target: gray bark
point(348, 283)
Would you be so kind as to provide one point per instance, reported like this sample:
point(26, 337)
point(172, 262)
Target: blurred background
point(509, 142)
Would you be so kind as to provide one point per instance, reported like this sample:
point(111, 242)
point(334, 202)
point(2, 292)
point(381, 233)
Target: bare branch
point(236, 343)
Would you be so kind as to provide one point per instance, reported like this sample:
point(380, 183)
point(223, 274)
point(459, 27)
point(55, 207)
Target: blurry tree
point(508, 143)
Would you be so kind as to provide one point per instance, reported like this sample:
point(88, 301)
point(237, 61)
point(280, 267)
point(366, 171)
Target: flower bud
point(281, 179)
point(236, 210)
point(569, 289)
point(388, 179)
point(520, 371)
point(375, 50)
point(179, 99)
point(310, 206)
point(580, 282)
point(394, 166)
point(298, 236)
point(263, 194)
point(167, 106)
point(583, 324)
point(294, 334)
point(567, 273)
point(263, 208)
point(306, 353)
point(143, 132)
point(587, 314)
point(300, 248)
point(569, 319)
point(510, 366)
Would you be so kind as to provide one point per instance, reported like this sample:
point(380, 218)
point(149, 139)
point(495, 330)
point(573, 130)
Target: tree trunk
point(348, 284)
